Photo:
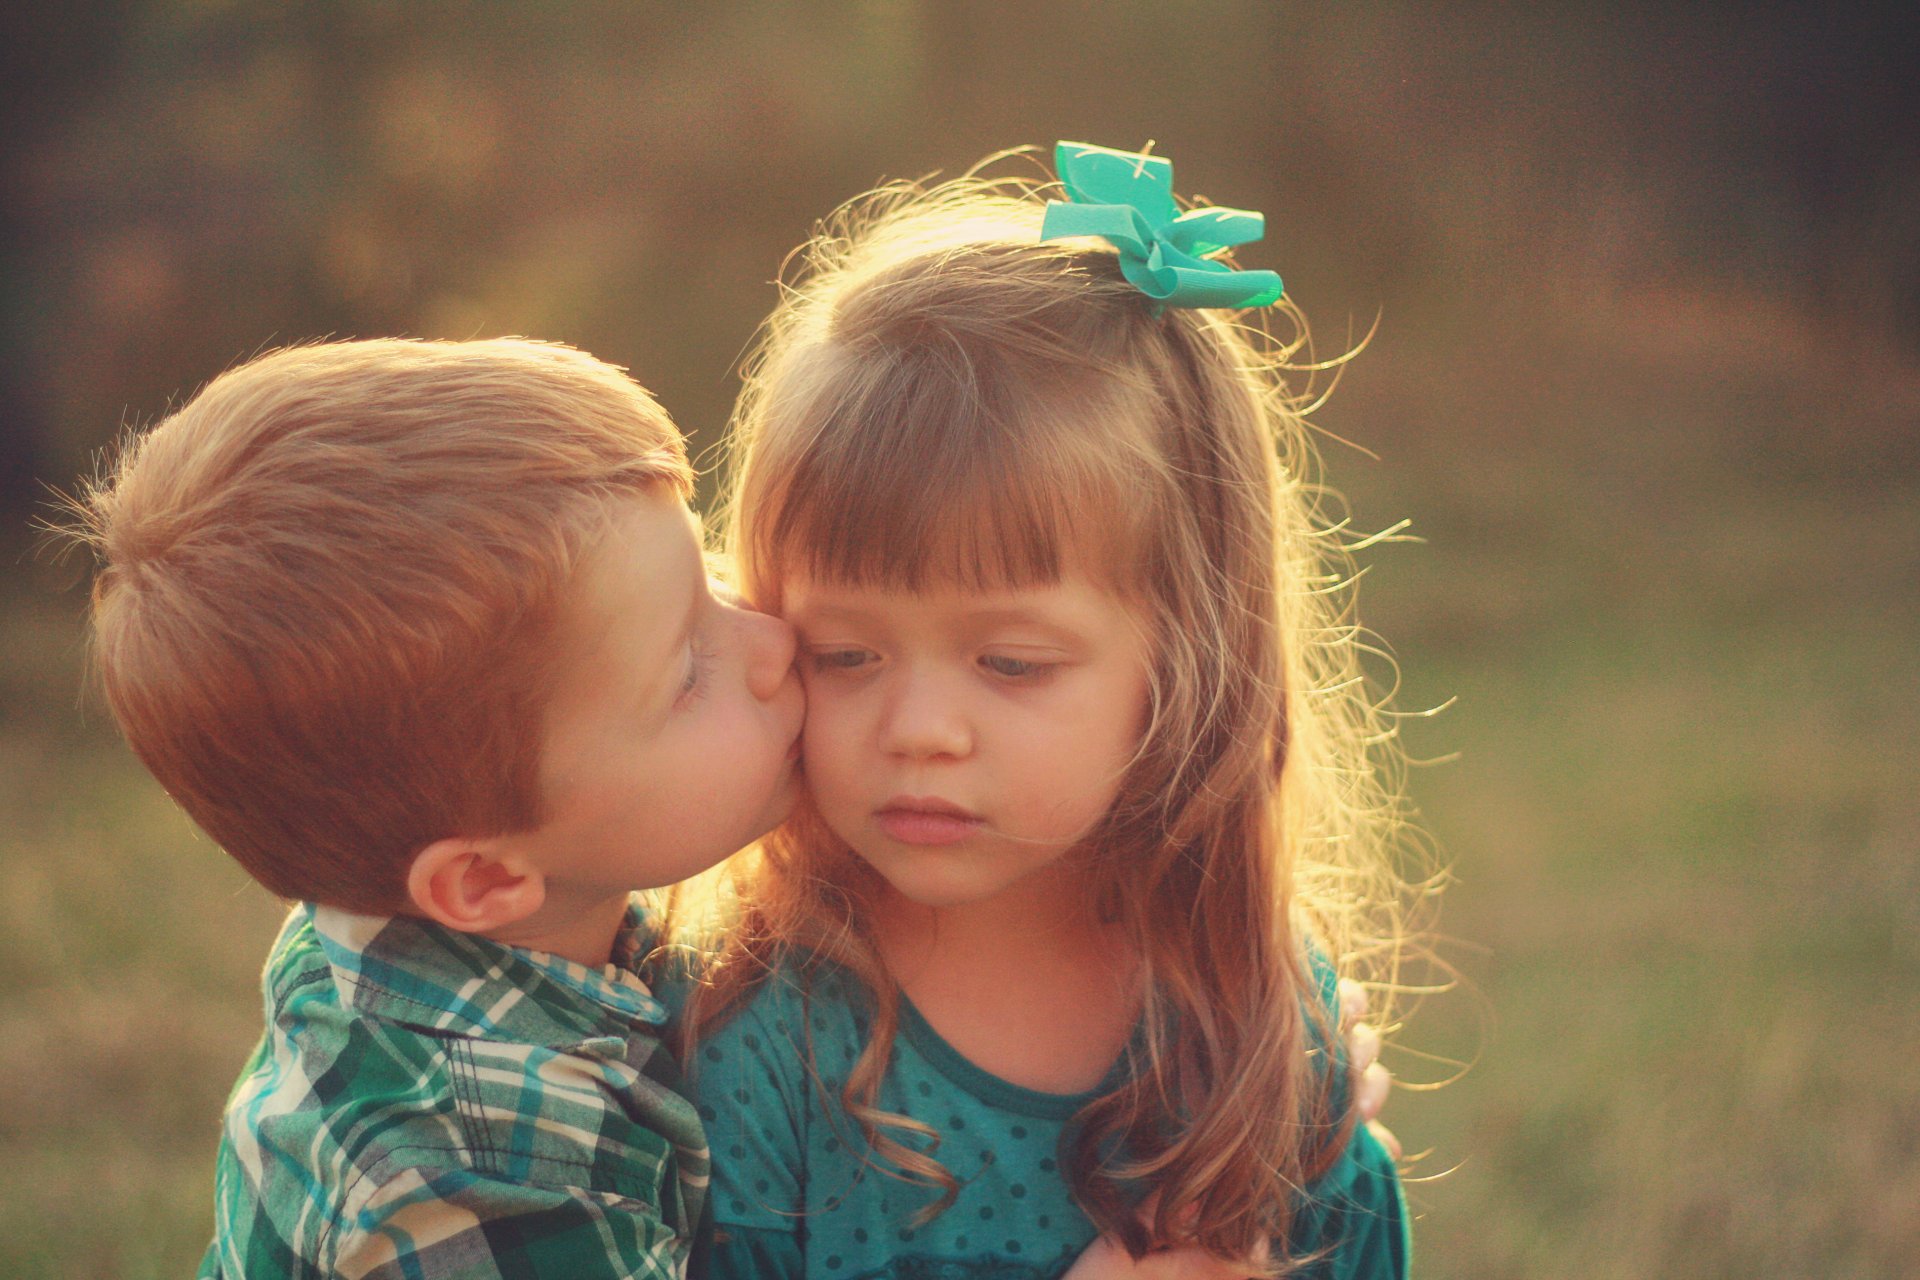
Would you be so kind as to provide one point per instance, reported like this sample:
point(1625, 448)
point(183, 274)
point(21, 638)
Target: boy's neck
point(582, 933)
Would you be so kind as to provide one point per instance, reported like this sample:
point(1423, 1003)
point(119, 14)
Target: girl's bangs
point(961, 490)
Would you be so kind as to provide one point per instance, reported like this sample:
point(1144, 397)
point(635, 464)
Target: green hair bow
point(1126, 198)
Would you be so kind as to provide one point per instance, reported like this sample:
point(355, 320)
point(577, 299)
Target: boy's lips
point(925, 820)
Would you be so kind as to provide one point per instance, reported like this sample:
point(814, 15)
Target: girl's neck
point(1030, 985)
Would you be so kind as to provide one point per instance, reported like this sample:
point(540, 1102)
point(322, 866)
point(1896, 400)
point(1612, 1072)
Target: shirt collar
point(423, 974)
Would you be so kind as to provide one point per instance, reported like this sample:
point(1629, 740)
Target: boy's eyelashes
point(699, 661)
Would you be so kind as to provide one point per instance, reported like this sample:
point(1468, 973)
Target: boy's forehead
point(637, 576)
point(618, 649)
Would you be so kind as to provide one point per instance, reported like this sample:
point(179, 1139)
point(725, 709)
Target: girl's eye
point(1014, 668)
point(831, 660)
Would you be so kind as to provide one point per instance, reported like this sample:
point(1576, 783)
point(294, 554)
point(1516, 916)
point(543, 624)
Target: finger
point(1370, 1093)
point(1149, 1207)
point(1363, 1046)
point(1385, 1135)
point(1189, 1262)
point(1353, 1000)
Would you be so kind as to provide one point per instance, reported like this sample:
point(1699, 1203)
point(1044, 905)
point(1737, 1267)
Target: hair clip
point(1126, 198)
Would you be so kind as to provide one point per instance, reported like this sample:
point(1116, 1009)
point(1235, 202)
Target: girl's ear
point(473, 886)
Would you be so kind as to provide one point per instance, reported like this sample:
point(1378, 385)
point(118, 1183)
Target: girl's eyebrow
point(831, 613)
point(1012, 615)
point(996, 613)
point(972, 620)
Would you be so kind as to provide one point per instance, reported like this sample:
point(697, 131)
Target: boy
point(421, 634)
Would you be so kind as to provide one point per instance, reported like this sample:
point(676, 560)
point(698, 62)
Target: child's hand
point(1363, 1050)
point(1106, 1259)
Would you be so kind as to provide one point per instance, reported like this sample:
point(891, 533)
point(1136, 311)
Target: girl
point(1096, 791)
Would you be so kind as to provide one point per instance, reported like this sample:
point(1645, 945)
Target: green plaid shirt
point(432, 1105)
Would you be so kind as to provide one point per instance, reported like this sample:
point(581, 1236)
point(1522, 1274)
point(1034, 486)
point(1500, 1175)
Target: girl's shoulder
point(799, 998)
point(1326, 979)
point(754, 1075)
point(1357, 1212)
point(1357, 1207)
point(673, 974)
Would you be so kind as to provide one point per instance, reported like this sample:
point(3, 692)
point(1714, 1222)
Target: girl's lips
point(926, 821)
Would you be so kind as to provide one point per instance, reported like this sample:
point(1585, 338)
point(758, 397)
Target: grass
point(128, 950)
point(1699, 911)
point(1683, 829)
point(1682, 826)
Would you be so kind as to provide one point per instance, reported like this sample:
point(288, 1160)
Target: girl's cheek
point(815, 737)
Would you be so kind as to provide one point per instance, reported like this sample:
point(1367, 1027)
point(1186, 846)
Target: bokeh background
point(1646, 380)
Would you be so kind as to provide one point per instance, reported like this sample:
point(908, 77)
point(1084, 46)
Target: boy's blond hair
point(328, 583)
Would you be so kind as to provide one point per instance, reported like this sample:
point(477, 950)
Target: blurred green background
point(1647, 380)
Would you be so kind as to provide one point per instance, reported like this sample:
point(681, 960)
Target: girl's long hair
point(940, 398)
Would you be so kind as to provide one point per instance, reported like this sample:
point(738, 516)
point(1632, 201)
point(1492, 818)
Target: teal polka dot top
point(797, 1193)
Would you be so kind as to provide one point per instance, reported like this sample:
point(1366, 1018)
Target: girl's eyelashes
point(839, 658)
point(1012, 668)
point(848, 659)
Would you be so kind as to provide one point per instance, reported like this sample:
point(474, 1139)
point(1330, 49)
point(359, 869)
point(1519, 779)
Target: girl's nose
point(769, 644)
point(923, 721)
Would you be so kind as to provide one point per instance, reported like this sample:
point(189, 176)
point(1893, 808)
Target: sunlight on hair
point(942, 399)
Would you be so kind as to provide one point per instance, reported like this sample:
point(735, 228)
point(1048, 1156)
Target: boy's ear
point(473, 886)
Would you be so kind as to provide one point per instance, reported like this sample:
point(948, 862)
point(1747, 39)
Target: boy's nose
point(770, 646)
